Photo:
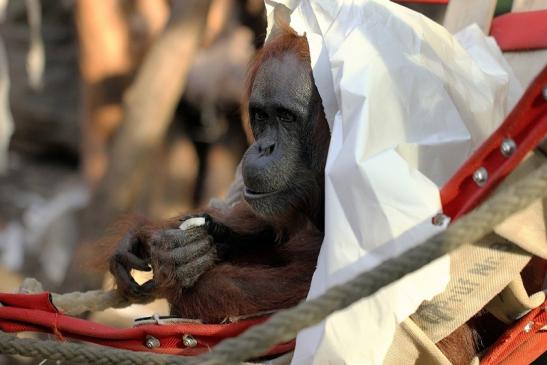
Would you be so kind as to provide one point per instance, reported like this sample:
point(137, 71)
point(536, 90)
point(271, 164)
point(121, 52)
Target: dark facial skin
point(283, 169)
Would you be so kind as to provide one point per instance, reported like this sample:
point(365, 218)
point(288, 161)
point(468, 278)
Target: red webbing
point(36, 313)
point(526, 125)
point(523, 343)
point(521, 31)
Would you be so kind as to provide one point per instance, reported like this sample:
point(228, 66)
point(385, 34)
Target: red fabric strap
point(523, 343)
point(526, 126)
point(36, 313)
point(520, 31)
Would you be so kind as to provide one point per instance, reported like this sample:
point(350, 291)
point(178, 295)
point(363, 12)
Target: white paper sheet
point(406, 104)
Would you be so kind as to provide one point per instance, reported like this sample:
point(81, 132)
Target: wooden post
point(461, 13)
point(110, 52)
point(105, 65)
point(147, 112)
point(529, 5)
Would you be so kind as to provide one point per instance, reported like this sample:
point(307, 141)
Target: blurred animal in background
point(259, 254)
point(209, 111)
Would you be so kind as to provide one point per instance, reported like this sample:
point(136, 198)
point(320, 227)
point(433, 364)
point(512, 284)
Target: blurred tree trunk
point(148, 109)
point(105, 66)
point(113, 38)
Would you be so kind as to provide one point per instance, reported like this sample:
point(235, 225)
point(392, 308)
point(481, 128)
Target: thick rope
point(80, 353)
point(284, 325)
point(92, 301)
point(94, 354)
point(77, 303)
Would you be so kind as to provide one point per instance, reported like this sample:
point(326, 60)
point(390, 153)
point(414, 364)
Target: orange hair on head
point(283, 41)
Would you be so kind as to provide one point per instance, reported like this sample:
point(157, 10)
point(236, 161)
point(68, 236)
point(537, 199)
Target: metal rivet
point(189, 341)
point(480, 176)
point(529, 326)
point(152, 342)
point(440, 219)
point(508, 147)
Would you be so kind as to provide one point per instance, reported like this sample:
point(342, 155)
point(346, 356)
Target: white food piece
point(192, 222)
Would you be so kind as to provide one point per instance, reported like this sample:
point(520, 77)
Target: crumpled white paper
point(407, 103)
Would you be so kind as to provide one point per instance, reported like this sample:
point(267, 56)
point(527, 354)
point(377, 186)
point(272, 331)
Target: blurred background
point(115, 107)
point(111, 107)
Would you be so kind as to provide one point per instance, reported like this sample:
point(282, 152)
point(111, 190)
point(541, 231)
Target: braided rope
point(80, 353)
point(92, 301)
point(77, 303)
point(284, 325)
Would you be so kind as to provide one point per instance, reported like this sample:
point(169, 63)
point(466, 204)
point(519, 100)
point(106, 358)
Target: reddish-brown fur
point(264, 277)
point(255, 277)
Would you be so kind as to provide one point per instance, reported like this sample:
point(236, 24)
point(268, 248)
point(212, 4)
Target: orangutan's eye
point(285, 116)
point(259, 115)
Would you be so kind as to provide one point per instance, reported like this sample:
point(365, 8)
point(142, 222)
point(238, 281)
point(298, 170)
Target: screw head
point(189, 341)
point(152, 342)
point(480, 176)
point(529, 326)
point(440, 219)
point(508, 147)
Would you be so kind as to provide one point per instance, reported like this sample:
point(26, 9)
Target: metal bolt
point(480, 176)
point(152, 342)
point(508, 147)
point(189, 341)
point(440, 219)
point(529, 326)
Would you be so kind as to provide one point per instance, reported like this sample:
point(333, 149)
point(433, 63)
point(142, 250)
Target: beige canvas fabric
point(412, 346)
point(513, 302)
point(485, 274)
point(478, 272)
point(528, 227)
